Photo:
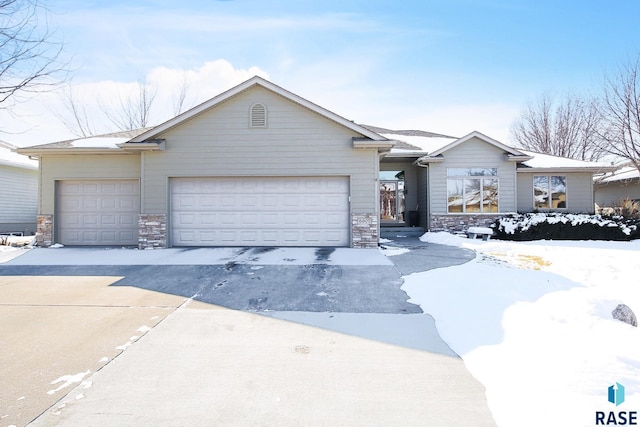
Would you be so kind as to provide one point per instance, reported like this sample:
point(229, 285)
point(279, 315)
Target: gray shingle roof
point(402, 145)
point(129, 134)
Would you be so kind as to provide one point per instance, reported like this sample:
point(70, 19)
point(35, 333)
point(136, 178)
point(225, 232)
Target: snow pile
point(539, 335)
point(18, 241)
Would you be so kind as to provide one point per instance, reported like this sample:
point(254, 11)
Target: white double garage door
point(230, 211)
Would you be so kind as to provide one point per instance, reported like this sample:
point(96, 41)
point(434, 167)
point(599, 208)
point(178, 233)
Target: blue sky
point(445, 66)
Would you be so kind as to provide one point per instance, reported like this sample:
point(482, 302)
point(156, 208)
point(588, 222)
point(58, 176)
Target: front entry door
point(392, 201)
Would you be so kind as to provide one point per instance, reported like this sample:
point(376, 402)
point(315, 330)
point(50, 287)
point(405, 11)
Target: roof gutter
point(518, 158)
point(150, 145)
point(39, 152)
point(424, 161)
point(383, 146)
point(593, 169)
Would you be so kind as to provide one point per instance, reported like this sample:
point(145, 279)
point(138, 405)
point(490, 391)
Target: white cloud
point(36, 120)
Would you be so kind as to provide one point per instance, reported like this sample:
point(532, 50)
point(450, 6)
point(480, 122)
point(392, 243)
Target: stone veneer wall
point(459, 223)
point(364, 230)
point(152, 231)
point(44, 231)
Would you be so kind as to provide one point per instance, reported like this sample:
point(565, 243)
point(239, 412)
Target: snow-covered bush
point(563, 226)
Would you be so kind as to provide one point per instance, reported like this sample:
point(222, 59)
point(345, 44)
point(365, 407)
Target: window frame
point(550, 192)
point(462, 177)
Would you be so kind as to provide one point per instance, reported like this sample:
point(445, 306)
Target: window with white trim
point(472, 190)
point(258, 116)
point(549, 192)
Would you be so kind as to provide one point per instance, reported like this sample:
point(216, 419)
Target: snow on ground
point(532, 321)
point(14, 246)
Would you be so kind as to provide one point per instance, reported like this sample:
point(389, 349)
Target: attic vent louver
point(258, 116)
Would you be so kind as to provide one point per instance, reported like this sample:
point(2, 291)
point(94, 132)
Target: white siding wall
point(70, 167)
point(579, 191)
point(296, 142)
point(18, 199)
point(474, 153)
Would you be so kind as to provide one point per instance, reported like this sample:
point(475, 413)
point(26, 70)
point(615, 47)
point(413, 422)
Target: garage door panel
point(185, 201)
point(234, 237)
point(128, 204)
point(129, 220)
point(301, 211)
point(97, 212)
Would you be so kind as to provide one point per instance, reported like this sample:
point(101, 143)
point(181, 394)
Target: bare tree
point(180, 96)
point(133, 111)
point(77, 120)
point(567, 128)
point(29, 57)
point(621, 112)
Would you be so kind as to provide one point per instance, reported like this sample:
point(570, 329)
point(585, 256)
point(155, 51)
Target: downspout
point(142, 201)
point(377, 192)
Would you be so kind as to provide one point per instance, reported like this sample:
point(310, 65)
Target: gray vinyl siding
point(612, 193)
point(18, 198)
point(579, 191)
point(82, 167)
point(296, 142)
point(474, 153)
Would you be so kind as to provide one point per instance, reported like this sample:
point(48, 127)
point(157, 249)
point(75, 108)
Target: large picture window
point(472, 190)
point(549, 192)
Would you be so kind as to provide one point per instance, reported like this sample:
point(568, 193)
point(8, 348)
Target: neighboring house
point(18, 192)
point(260, 166)
point(611, 189)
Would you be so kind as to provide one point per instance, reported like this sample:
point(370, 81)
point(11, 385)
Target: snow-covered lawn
point(532, 321)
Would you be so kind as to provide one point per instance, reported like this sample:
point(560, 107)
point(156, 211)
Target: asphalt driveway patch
point(312, 288)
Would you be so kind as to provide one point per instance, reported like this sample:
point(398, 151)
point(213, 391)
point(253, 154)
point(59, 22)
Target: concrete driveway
point(224, 337)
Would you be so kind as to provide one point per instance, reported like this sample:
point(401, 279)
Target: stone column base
point(459, 223)
point(44, 230)
point(364, 230)
point(152, 231)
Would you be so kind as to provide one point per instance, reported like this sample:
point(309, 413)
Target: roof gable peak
point(253, 81)
point(475, 134)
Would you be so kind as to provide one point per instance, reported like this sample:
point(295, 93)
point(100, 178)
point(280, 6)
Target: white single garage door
point(97, 213)
point(260, 211)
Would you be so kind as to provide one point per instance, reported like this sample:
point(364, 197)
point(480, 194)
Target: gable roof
point(475, 134)
point(436, 155)
point(145, 138)
point(254, 81)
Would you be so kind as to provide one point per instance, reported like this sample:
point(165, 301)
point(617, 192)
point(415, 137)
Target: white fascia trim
point(55, 151)
point(594, 169)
